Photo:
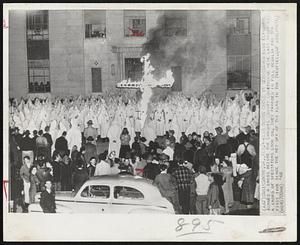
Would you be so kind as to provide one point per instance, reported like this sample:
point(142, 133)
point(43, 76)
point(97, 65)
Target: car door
point(93, 198)
point(125, 199)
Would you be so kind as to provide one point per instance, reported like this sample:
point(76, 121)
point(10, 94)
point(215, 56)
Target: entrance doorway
point(96, 80)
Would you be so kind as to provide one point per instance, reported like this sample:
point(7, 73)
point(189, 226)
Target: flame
point(147, 83)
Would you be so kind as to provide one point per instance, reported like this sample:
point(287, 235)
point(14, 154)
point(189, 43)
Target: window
point(241, 26)
point(124, 192)
point(134, 23)
point(238, 71)
point(96, 191)
point(37, 25)
point(38, 51)
point(95, 23)
point(175, 23)
point(133, 69)
point(39, 76)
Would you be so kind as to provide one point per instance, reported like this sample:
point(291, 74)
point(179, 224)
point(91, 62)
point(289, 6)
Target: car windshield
point(125, 192)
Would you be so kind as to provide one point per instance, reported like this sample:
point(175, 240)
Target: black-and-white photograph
point(134, 111)
point(149, 122)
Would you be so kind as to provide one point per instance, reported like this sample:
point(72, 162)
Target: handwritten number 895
point(181, 222)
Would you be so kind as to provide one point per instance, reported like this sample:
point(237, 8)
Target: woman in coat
point(34, 183)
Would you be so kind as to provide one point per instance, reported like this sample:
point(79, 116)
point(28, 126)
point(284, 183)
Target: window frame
point(125, 70)
point(95, 24)
point(134, 17)
point(44, 68)
point(30, 17)
point(236, 23)
point(90, 37)
point(235, 70)
point(95, 197)
point(128, 199)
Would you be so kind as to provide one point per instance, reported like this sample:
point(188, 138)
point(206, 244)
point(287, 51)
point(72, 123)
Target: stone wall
point(255, 50)
point(72, 55)
point(18, 69)
point(66, 36)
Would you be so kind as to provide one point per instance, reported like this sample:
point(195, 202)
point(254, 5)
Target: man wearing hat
point(90, 131)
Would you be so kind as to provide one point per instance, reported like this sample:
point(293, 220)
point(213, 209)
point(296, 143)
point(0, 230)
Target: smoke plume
point(190, 51)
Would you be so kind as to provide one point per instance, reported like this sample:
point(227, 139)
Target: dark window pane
point(239, 75)
point(242, 26)
point(95, 23)
point(39, 75)
point(133, 69)
point(38, 50)
point(37, 25)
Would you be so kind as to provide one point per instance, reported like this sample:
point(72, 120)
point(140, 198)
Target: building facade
point(72, 52)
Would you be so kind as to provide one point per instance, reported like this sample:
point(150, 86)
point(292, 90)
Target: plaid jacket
point(183, 177)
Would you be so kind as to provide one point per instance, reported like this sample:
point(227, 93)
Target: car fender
point(150, 210)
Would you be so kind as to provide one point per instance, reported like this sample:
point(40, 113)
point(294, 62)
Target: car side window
point(96, 191)
point(125, 192)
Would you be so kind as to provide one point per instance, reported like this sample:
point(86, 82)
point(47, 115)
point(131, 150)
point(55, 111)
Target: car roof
point(151, 192)
point(142, 184)
point(114, 179)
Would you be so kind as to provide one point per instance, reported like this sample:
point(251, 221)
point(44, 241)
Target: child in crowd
point(227, 186)
point(214, 205)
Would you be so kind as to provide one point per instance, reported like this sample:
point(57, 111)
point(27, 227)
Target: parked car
point(111, 194)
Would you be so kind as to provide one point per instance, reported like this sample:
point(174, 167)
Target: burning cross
point(147, 83)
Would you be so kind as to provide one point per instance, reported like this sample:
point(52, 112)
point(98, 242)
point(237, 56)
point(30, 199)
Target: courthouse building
point(76, 52)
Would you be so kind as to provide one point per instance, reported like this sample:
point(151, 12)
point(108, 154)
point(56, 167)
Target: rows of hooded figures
point(111, 112)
